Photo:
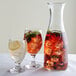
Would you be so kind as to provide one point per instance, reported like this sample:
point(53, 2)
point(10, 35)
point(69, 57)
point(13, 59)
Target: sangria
point(55, 51)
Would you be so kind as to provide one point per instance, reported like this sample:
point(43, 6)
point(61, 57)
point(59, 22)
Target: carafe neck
point(56, 16)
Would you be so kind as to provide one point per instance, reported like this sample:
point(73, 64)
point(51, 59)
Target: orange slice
point(14, 45)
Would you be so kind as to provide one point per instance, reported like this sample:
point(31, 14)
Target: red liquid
point(34, 42)
point(55, 51)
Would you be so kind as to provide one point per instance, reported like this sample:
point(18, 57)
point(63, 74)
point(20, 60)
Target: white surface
point(16, 15)
point(6, 63)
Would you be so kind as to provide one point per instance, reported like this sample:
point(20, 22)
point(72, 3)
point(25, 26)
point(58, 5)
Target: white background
point(16, 15)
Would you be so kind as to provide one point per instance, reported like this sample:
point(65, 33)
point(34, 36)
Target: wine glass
point(17, 51)
point(34, 43)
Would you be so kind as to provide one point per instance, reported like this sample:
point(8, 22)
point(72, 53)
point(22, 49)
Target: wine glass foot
point(17, 70)
point(33, 67)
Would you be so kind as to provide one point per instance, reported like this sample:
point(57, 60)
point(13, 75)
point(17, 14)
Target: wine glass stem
point(33, 63)
point(17, 66)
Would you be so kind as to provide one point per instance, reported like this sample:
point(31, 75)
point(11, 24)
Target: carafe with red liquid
point(55, 45)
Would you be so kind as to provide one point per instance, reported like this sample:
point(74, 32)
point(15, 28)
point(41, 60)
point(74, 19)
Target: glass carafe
point(55, 45)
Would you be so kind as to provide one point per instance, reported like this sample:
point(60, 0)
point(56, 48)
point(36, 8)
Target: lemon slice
point(14, 45)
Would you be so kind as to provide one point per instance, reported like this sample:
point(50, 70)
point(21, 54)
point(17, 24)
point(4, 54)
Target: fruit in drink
point(17, 50)
point(34, 41)
point(55, 51)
